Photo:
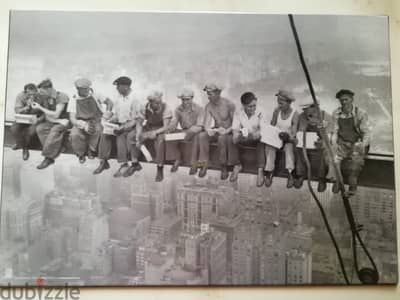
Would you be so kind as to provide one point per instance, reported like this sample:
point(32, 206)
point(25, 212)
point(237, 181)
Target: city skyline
point(184, 231)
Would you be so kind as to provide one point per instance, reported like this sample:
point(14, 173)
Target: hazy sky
point(160, 47)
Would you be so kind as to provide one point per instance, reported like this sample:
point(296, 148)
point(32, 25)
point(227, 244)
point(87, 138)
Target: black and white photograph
point(197, 149)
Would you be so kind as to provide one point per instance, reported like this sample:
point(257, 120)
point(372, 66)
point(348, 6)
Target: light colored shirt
point(127, 108)
point(241, 120)
point(188, 117)
point(360, 120)
point(222, 113)
point(100, 100)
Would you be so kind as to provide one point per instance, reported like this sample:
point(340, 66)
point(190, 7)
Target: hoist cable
point(371, 275)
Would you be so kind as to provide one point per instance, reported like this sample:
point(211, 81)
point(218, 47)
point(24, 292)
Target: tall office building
point(298, 267)
point(199, 204)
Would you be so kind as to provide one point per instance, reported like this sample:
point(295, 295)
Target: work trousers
point(270, 153)
point(23, 134)
point(123, 146)
point(82, 141)
point(250, 142)
point(227, 152)
point(51, 136)
point(177, 147)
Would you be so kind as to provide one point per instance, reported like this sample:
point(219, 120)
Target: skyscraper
point(199, 204)
point(298, 267)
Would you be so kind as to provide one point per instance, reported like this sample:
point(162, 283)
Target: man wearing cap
point(246, 131)
point(85, 111)
point(351, 137)
point(190, 117)
point(219, 111)
point(52, 129)
point(23, 133)
point(286, 119)
point(309, 122)
point(126, 113)
point(157, 122)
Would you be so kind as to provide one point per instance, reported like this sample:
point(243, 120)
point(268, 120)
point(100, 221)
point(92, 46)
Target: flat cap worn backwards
point(285, 95)
point(83, 83)
point(123, 80)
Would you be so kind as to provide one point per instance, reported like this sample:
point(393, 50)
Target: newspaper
point(270, 136)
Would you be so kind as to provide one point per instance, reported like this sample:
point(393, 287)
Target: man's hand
point(284, 136)
point(256, 135)
point(107, 115)
point(36, 105)
point(81, 124)
point(211, 132)
point(221, 130)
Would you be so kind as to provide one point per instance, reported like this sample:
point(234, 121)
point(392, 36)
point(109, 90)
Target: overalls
point(87, 110)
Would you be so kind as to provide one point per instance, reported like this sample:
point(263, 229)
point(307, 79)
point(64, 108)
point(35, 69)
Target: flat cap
point(83, 83)
point(344, 92)
point(123, 80)
point(285, 95)
point(186, 93)
point(155, 95)
point(46, 83)
point(210, 87)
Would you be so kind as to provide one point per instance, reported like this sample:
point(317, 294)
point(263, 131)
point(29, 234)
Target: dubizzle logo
point(39, 292)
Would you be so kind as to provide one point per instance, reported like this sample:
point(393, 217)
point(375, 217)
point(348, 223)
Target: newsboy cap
point(344, 92)
point(211, 87)
point(123, 80)
point(83, 83)
point(186, 93)
point(285, 95)
point(46, 83)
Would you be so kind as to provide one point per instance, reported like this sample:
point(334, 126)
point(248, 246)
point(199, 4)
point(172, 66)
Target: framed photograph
point(197, 149)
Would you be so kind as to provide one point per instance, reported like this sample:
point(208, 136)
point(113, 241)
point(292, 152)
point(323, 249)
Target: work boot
point(135, 166)
point(203, 171)
point(298, 182)
point(353, 180)
point(82, 159)
point(175, 166)
point(321, 186)
point(335, 187)
point(224, 172)
point(268, 178)
point(104, 165)
point(91, 154)
point(290, 181)
point(16, 147)
point(121, 170)
point(352, 190)
point(25, 154)
point(260, 177)
point(160, 173)
point(235, 173)
point(193, 170)
point(45, 163)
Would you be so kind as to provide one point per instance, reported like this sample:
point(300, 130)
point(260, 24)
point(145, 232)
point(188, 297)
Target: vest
point(87, 109)
point(154, 119)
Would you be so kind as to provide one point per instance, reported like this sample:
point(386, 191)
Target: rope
point(321, 209)
point(339, 178)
